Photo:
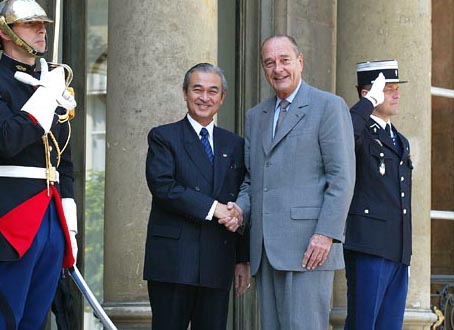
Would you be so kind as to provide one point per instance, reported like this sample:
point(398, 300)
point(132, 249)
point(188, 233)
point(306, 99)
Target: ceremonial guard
point(377, 245)
point(38, 220)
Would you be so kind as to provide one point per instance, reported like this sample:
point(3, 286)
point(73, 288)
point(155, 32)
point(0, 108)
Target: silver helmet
point(21, 11)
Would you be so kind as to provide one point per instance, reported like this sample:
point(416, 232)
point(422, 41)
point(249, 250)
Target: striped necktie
point(282, 112)
point(206, 144)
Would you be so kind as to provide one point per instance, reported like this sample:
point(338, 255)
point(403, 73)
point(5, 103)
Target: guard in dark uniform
point(38, 220)
point(377, 245)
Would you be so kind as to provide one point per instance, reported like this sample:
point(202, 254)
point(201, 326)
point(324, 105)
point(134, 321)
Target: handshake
point(230, 215)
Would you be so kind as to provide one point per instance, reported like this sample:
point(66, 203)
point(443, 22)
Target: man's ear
point(3, 35)
point(364, 92)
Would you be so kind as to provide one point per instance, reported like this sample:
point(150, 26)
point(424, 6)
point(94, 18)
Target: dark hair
point(361, 87)
point(278, 36)
point(204, 67)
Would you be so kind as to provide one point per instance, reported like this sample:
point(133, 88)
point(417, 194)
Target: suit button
point(197, 188)
point(267, 164)
point(232, 194)
point(402, 194)
point(265, 189)
point(382, 154)
point(401, 163)
point(402, 178)
point(366, 211)
point(405, 211)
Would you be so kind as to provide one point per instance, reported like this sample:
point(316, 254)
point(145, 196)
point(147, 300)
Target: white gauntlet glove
point(376, 95)
point(43, 102)
point(70, 210)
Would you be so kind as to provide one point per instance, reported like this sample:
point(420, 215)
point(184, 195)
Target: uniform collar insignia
point(21, 68)
point(375, 127)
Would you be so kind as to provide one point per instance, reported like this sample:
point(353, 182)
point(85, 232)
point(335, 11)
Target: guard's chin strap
point(17, 40)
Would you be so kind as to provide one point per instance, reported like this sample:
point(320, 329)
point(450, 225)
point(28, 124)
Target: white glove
point(67, 101)
point(70, 210)
point(43, 102)
point(376, 95)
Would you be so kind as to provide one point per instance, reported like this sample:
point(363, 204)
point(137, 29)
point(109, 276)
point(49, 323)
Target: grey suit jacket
point(301, 182)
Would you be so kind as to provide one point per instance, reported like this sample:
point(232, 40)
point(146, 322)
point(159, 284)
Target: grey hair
point(204, 67)
point(278, 36)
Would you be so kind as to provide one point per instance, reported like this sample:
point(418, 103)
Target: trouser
point(174, 306)
point(27, 286)
point(376, 292)
point(293, 300)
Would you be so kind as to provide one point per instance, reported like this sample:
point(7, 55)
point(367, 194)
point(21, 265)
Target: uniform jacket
point(301, 182)
point(21, 145)
point(182, 247)
point(379, 220)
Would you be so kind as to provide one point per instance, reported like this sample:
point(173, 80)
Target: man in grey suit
point(300, 164)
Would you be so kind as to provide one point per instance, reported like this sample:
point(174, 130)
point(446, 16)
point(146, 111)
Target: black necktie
point(206, 143)
point(393, 138)
point(282, 112)
point(388, 130)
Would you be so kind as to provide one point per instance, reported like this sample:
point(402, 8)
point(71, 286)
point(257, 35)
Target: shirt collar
point(291, 97)
point(380, 121)
point(197, 127)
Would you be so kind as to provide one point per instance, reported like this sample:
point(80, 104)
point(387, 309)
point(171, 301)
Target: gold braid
point(51, 175)
point(48, 161)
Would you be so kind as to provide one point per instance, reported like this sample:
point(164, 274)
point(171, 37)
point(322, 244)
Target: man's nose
point(42, 28)
point(204, 96)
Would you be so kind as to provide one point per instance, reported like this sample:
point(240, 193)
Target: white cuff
point(70, 209)
point(210, 215)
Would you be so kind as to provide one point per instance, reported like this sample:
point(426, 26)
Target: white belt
point(29, 172)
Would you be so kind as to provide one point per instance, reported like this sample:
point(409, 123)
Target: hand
point(233, 207)
point(54, 79)
point(228, 216)
point(376, 95)
point(42, 104)
point(67, 100)
point(242, 278)
point(317, 251)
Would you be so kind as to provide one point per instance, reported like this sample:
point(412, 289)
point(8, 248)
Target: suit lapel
point(222, 159)
point(195, 151)
point(266, 124)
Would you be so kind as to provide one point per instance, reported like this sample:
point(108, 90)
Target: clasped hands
point(230, 215)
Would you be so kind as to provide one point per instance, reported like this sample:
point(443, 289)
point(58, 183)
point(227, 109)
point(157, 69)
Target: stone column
point(374, 30)
point(151, 46)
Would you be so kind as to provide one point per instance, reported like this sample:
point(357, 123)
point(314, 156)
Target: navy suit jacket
point(182, 247)
point(379, 219)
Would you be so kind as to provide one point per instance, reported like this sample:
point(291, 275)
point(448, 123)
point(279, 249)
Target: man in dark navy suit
point(193, 250)
point(377, 247)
